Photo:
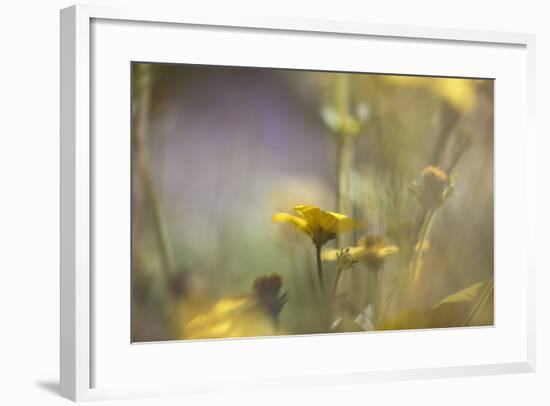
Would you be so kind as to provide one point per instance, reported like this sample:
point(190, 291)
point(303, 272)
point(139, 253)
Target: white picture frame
point(77, 188)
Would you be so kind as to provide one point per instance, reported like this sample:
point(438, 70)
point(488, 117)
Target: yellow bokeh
point(232, 317)
point(459, 93)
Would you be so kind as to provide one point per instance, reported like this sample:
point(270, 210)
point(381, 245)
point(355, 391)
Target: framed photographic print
point(291, 202)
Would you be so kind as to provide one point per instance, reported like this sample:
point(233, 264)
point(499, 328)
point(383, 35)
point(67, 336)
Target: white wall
point(29, 100)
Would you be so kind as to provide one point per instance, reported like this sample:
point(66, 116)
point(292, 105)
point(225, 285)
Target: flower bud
point(435, 188)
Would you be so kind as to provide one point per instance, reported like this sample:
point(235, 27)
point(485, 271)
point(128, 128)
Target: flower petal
point(312, 214)
point(329, 254)
point(345, 223)
point(389, 250)
point(328, 222)
point(357, 252)
point(460, 93)
point(289, 218)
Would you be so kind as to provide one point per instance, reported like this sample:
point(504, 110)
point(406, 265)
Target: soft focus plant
point(395, 143)
point(321, 226)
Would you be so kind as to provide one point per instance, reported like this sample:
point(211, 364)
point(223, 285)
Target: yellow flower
point(320, 226)
point(459, 93)
point(242, 316)
point(371, 251)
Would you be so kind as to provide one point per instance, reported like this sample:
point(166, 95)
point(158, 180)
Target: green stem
point(481, 302)
point(319, 264)
point(345, 168)
point(166, 254)
point(341, 94)
point(144, 167)
point(345, 143)
point(414, 263)
point(373, 289)
point(424, 231)
point(346, 147)
point(336, 282)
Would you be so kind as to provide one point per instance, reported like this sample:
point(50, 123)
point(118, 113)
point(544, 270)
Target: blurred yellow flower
point(229, 318)
point(242, 316)
point(459, 93)
point(371, 251)
point(320, 226)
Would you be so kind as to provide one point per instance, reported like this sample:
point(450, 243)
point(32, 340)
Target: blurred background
point(218, 150)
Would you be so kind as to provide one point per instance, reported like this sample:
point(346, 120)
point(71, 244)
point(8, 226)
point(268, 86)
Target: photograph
point(280, 202)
